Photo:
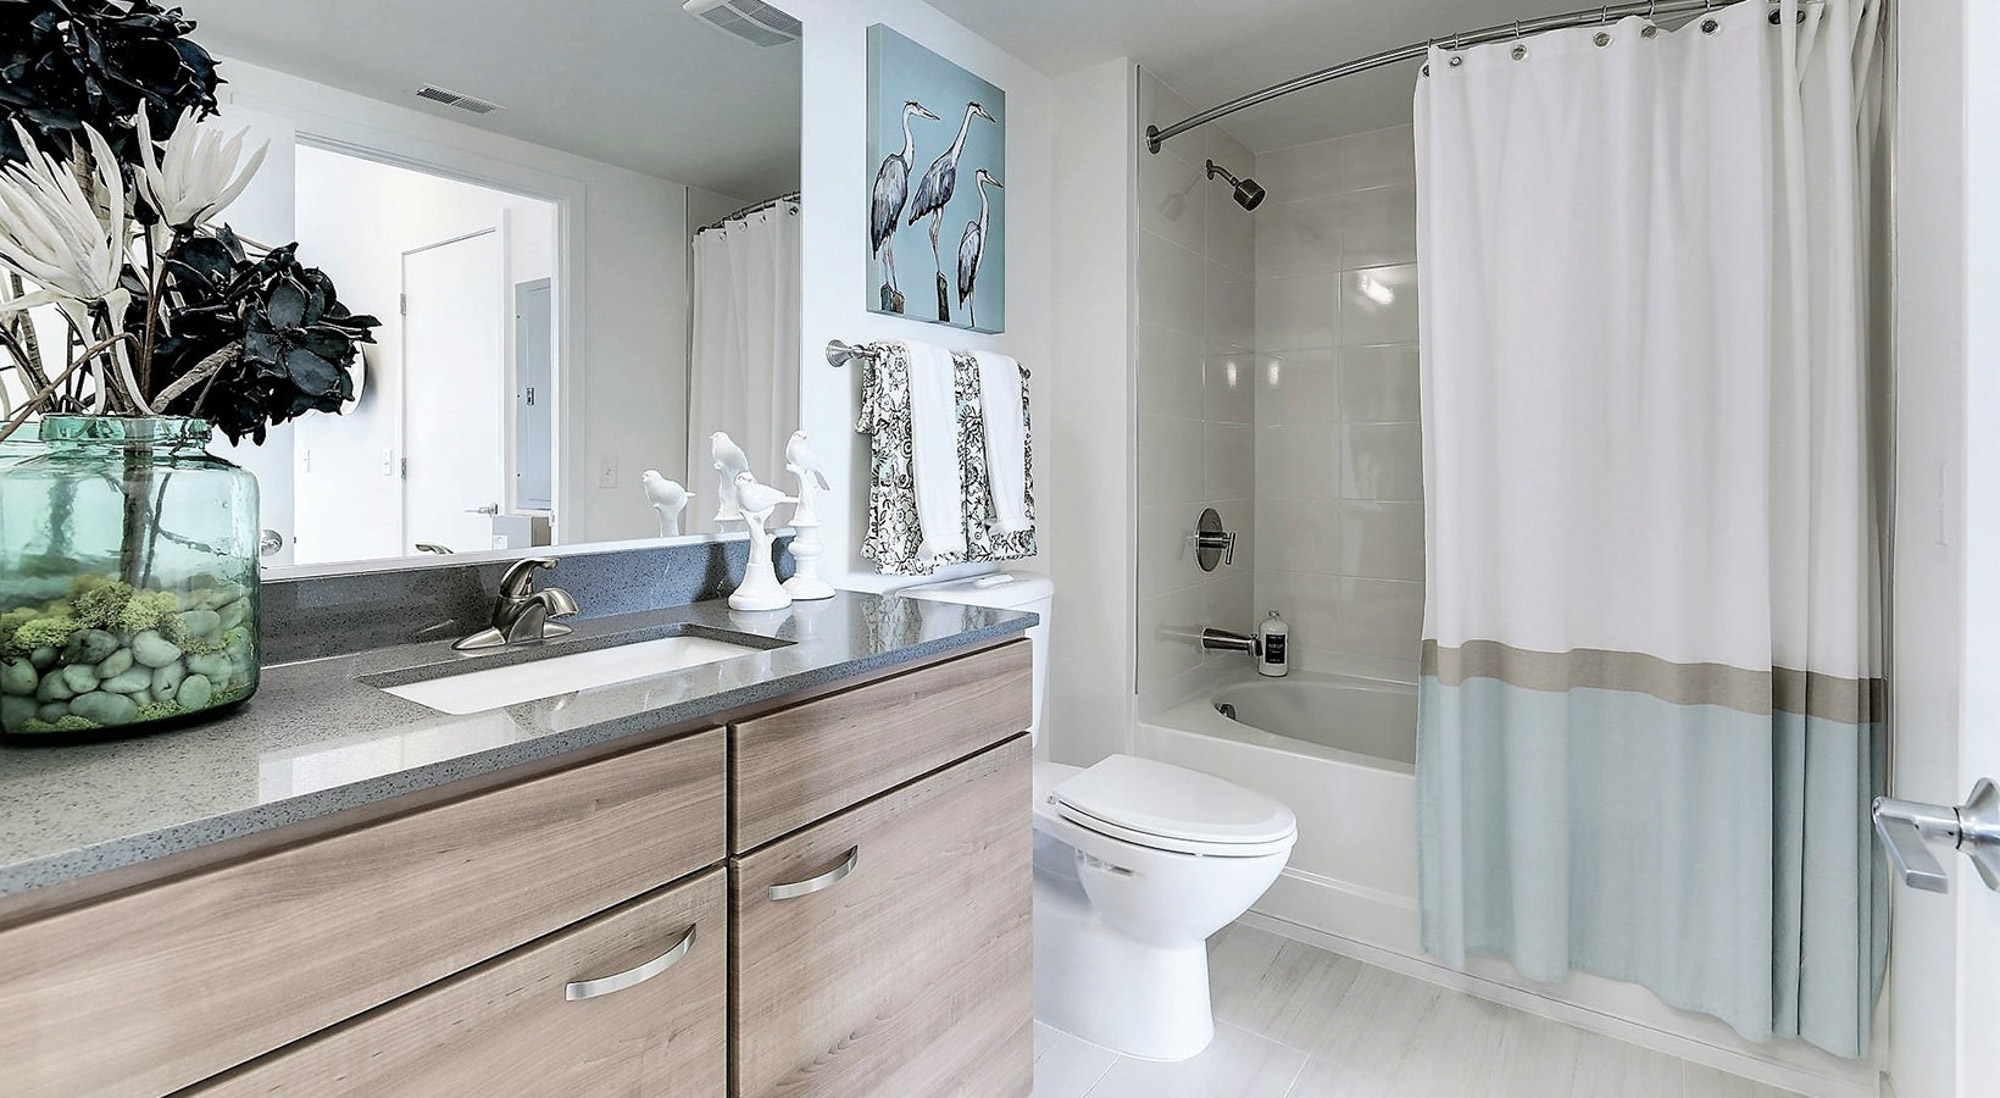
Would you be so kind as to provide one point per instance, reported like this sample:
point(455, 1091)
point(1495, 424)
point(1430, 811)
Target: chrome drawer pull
point(631, 977)
point(815, 884)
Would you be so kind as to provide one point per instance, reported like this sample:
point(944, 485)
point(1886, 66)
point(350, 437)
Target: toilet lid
point(1145, 798)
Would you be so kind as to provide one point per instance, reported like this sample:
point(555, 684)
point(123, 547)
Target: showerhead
point(1249, 194)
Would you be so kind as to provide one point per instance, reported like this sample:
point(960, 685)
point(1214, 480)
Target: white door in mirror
point(497, 687)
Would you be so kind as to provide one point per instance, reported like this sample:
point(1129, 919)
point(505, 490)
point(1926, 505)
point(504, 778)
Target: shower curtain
point(743, 375)
point(1651, 700)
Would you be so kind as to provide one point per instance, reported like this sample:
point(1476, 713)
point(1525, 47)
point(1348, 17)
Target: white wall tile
point(1160, 106)
point(1298, 236)
point(1169, 631)
point(1381, 461)
point(1170, 460)
point(1378, 617)
point(1166, 548)
point(1172, 200)
point(1170, 372)
point(1229, 606)
point(1297, 462)
point(1229, 455)
point(1229, 387)
point(1379, 384)
point(1302, 170)
point(1296, 312)
point(1378, 305)
point(1229, 309)
point(1379, 158)
point(1296, 537)
point(1298, 387)
point(1170, 284)
point(1379, 540)
point(1378, 227)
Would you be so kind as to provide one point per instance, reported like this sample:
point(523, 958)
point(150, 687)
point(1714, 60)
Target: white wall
point(1340, 515)
point(1092, 489)
point(356, 218)
point(625, 335)
point(1927, 624)
point(834, 192)
point(1195, 299)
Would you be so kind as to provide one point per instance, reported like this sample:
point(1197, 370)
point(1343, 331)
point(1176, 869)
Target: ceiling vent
point(457, 99)
point(751, 20)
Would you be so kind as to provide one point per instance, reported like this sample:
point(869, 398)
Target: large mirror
point(578, 225)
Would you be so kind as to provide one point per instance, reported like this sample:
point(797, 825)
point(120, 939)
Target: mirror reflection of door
point(534, 427)
point(454, 370)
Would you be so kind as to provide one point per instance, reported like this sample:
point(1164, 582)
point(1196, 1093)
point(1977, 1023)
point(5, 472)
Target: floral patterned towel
point(893, 533)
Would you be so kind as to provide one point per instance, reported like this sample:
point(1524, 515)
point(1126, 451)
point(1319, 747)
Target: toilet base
point(1141, 1000)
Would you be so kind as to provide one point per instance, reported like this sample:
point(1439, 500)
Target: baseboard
point(1863, 1080)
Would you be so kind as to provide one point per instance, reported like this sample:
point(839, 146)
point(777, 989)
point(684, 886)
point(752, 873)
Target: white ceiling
point(1214, 50)
point(637, 83)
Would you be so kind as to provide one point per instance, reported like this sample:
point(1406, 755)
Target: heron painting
point(923, 185)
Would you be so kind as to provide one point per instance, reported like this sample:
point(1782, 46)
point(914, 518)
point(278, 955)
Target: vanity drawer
point(509, 1027)
point(161, 988)
point(888, 950)
point(798, 765)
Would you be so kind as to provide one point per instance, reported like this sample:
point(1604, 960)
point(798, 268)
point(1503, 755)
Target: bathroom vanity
point(804, 871)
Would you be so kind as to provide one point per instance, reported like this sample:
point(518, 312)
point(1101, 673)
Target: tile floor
point(1295, 1021)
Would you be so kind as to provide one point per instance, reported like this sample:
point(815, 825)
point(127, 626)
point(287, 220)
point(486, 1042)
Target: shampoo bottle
point(1271, 637)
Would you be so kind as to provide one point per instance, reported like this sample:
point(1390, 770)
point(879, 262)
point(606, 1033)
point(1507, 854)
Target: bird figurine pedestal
point(806, 584)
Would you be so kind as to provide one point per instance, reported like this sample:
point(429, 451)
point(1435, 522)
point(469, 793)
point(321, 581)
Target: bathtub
point(1341, 752)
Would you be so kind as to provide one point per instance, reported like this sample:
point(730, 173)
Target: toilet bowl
point(1137, 862)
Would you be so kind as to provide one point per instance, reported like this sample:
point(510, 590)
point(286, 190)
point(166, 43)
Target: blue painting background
point(900, 70)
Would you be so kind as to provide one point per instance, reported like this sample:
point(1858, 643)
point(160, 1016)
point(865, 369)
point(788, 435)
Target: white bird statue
point(668, 498)
point(760, 589)
point(730, 462)
point(757, 501)
point(803, 462)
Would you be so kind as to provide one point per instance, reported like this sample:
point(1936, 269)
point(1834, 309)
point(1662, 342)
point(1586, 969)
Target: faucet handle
point(519, 581)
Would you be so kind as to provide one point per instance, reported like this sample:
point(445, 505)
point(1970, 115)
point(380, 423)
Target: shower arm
point(1499, 32)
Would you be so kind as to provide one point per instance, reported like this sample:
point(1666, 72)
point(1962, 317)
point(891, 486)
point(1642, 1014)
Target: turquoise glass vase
point(128, 579)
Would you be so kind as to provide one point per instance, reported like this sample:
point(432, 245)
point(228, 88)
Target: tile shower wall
point(1196, 314)
point(1339, 473)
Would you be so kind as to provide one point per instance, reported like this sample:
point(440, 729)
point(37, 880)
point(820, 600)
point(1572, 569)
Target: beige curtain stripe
point(1781, 690)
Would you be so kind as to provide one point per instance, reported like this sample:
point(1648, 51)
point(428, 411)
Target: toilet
point(1136, 863)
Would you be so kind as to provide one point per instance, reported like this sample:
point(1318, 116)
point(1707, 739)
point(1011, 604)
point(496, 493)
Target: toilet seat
point(1158, 806)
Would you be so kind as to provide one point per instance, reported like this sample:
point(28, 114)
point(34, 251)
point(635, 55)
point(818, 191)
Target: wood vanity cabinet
point(593, 931)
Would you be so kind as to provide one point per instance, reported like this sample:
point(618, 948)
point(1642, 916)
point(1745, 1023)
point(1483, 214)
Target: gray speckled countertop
point(317, 739)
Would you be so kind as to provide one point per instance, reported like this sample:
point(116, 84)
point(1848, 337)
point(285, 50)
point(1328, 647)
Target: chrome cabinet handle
point(631, 977)
point(824, 881)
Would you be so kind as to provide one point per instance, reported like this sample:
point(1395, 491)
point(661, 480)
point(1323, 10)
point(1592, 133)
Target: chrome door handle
point(580, 990)
point(489, 509)
point(824, 881)
point(1973, 827)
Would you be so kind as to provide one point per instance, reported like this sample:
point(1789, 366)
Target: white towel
point(1006, 440)
point(934, 445)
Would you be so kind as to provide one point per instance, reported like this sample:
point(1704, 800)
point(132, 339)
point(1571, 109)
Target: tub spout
point(1222, 640)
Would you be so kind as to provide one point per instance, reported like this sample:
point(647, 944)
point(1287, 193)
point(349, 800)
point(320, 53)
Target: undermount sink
point(511, 684)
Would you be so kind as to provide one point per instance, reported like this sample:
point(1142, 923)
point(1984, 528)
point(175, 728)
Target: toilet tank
point(1004, 591)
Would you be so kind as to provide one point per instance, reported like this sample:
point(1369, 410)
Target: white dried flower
point(196, 175)
point(53, 235)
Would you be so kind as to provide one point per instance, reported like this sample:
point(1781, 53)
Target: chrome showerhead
point(1248, 194)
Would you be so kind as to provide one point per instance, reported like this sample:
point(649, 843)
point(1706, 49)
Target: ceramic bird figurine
point(757, 500)
point(730, 461)
point(668, 498)
point(760, 589)
point(800, 459)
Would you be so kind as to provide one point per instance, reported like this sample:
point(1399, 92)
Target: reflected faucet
point(522, 615)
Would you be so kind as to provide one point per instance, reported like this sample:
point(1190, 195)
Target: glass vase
point(128, 579)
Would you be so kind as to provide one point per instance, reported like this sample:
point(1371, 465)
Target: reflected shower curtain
point(743, 376)
point(1651, 705)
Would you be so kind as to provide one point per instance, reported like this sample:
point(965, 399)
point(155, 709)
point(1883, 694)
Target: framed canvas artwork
point(937, 199)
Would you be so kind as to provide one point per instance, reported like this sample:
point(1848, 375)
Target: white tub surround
point(1652, 701)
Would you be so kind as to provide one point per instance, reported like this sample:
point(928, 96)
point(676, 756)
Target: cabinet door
point(887, 950)
point(630, 1002)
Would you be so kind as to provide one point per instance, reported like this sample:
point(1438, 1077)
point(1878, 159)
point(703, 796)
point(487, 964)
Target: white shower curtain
point(744, 372)
point(1652, 705)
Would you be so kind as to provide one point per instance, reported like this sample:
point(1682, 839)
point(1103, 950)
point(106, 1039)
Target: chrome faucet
point(1222, 640)
point(522, 614)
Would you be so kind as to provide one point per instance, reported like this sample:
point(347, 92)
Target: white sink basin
point(495, 687)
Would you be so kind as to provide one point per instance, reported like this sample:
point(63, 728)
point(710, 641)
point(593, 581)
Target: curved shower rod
point(1499, 32)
